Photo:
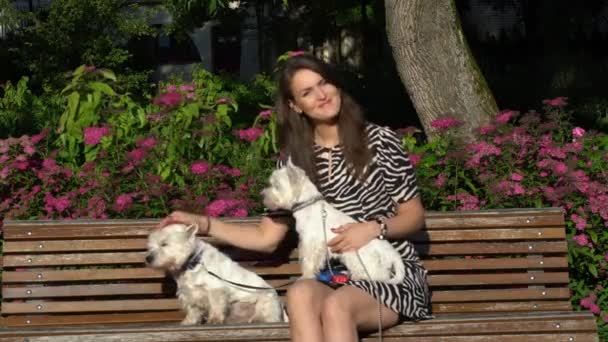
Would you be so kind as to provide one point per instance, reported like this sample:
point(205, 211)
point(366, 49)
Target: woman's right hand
point(186, 218)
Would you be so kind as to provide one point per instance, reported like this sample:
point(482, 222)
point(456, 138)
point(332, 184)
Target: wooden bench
point(497, 275)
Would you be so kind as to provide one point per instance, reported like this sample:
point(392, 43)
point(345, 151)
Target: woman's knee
point(304, 293)
point(336, 308)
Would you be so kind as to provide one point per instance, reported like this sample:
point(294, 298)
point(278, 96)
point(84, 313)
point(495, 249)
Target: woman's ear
point(295, 108)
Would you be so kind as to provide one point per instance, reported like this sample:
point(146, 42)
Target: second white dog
point(203, 275)
point(291, 189)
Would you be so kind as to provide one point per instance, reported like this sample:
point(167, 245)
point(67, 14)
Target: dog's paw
point(189, 321)
point(216, 319)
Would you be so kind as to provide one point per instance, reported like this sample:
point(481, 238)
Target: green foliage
point(75, 32)
point(21, 112)
point(536, 160)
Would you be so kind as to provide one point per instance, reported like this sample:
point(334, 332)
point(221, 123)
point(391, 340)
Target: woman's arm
point(352, 236)
point(262, 237)
point(408, 220)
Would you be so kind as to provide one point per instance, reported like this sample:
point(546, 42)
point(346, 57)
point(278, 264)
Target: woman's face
point(314, 96)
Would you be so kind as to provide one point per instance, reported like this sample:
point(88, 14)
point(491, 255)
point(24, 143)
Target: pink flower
point(505, 116)
point(222, 100)
point(556, 102)
point(441, 180)
point(137, 155)
point(582, 239)
point(4, 158)
point(217, 207)
point(4, 173)
point(62, 203)
point(155, 117)
point(199, 167)
point(296, 53)
point(486, 130)
point(123, 202)
point(249, 134)
point(190, 96)
point(415, 159)
point(605, 318)
point(580, 222)
point(186, 87)
point(239, 212)
point(169, 99)
point(36, 138)
point(29, 149)
point(146, 143)
point(445, 123)
point(93, 135)
point(171, 88)
point(265, 114)
point(578, 132)
point(595, 309)
point(516, 177)
point(560, 168)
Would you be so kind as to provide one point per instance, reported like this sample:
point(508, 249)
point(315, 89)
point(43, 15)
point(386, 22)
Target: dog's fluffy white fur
point(289, 186)
point(203, 296)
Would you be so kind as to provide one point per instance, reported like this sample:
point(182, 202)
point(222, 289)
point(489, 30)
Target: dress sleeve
point(399, 174)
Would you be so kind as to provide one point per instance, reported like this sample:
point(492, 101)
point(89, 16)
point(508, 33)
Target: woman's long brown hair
point(296, 131)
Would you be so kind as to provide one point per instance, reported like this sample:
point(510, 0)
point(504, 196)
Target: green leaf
point(102, 88)
point(109, 74)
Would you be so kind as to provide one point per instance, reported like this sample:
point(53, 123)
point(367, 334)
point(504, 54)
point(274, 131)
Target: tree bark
point(435, 64)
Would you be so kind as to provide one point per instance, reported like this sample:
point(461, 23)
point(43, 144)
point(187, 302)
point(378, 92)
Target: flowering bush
point(108, 156)
point(529, 161)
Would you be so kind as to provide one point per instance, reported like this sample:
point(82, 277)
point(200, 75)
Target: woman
point(361, 169)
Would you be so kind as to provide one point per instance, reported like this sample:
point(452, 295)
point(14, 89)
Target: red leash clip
point(339, 278)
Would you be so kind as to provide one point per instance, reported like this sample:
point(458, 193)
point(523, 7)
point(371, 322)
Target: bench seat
point(496, 275)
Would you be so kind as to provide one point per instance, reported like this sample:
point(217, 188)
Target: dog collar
point(302, 205)
point(193, 260)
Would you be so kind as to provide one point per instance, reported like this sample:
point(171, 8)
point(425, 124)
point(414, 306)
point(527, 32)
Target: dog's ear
point(192, 229)
point(290, 163)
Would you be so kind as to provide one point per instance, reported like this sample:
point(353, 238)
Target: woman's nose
point(321, 95)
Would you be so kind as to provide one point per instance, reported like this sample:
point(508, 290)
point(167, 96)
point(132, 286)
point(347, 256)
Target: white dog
point(291, 189)
point(204, 274)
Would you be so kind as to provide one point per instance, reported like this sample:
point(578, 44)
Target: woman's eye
point(164, 244)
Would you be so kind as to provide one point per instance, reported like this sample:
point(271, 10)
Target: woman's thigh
point(311, 293)
point(363, 308)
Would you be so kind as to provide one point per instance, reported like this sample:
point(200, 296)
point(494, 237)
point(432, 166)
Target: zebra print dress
point(390, 181)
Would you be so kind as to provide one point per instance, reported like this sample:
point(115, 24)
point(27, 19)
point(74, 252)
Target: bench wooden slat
point(491, 248)
point(459, 234)
point(294, 268)
point(159, 288)
point(499, 279)
point(165, 304)
point(425, 249)
point(513, 326)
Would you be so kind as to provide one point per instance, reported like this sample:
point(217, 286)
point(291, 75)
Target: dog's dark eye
point(164, 244)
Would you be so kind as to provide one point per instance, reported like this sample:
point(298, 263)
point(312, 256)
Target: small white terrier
point(290, 189)
point(197, 268)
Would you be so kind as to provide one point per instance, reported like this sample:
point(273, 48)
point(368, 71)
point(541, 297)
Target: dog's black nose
point(149, 258)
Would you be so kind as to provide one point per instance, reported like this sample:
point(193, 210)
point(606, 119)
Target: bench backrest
point(93, 272)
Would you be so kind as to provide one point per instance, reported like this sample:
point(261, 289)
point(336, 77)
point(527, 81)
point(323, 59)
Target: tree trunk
point(435, 64)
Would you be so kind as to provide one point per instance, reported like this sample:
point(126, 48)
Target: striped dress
point(390, 181)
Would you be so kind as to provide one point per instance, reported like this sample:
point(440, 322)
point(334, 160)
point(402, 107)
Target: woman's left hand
point(353, 236)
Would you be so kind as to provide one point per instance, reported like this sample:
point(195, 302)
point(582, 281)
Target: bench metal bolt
point(528, 220)
point(535, 306)
point(570, 338)
point(28, 321)
point(530, 247)
point(39, 276)
point(544, 293)
point(40, 246)
point(541, 262)
point(29, 292)
point(29, 233)
point(540, 233)
point(532, 278)
point(38, 307)
point(29, 260)
point(558, 325)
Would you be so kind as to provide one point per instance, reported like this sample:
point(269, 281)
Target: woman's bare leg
point(305, 299)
